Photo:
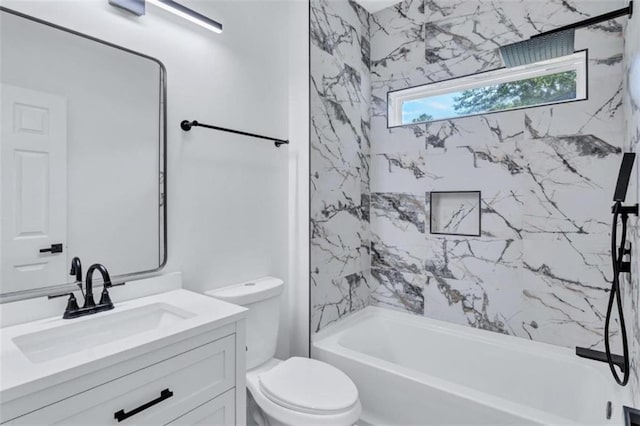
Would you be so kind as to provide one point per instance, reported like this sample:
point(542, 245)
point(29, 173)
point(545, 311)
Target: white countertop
point(20, 376)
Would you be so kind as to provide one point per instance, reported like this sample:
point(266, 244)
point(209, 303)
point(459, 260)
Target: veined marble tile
point(339, 29)
point(337, 254)
point(380, 88)
point(398, 290)
point(567, 290)
point(365, 174)
point(399, 172)
point(544, 15)
point(341, 82)
point(553, 13)
point(543, 172)
point(398, 219)
point(552, 212)
point(338, 233)
point(402, 257)
point(480, 130)
point(489, 307)
point(569, 182)
point(336, 142)
point(332, 298)
point(384, 139)
point(482, 260)
point(340, 146)
point(397, 139)
point(572, 161)
point(476, 30)
point(604, 42)
point(397, 39)
point(599, 116)
point(476, 168)
point(459, 67)
point(502, 214)
point(462, 38)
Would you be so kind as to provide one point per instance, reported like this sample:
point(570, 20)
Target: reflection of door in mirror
point(34, 184)
point(83, 141)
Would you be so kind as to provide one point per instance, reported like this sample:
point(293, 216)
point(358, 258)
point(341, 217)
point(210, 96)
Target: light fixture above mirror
point(138, 8)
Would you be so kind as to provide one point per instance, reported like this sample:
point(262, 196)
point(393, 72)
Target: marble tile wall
point(631, 97)
point(540, 269)
point(340, 102)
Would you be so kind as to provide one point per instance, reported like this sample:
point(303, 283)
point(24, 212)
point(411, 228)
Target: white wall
point(299, 177)
point(228, 195)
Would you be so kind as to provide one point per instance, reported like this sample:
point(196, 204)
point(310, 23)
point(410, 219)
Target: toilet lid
point(309, 386)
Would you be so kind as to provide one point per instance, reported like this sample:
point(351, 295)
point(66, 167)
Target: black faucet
point(76, 269)
point(105, 300)
point(73, 310)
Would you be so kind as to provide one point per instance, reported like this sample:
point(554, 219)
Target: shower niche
point(455, 213)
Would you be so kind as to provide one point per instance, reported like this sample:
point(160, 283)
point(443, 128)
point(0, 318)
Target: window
point(553, 81)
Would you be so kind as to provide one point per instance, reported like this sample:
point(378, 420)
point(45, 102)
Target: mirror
point(82, 159)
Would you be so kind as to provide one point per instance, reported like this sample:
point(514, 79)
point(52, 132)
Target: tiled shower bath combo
point(540, 268)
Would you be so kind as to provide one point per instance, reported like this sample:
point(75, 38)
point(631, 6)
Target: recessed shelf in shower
point(455, 213)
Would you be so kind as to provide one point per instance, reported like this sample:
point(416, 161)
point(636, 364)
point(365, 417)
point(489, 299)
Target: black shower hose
point(616, 256)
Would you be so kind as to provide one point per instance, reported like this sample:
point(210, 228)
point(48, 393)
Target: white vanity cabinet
point(197, 379)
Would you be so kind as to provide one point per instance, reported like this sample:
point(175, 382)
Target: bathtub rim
point(331, 332)
point(328, 340)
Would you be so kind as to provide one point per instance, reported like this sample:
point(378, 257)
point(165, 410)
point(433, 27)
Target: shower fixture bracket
point(628, 11)
point(626, 210)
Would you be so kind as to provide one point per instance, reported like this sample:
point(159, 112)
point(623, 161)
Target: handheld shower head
point(623, 176)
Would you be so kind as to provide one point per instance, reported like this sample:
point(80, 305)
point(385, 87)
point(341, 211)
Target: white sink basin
point(91, 332)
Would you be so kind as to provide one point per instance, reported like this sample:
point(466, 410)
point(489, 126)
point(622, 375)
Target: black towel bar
point(186, 125)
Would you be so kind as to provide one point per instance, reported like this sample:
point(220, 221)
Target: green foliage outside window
point(533, 91)
point(422, 118)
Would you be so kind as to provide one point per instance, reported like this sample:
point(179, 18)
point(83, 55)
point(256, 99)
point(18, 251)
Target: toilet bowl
point(295, 391)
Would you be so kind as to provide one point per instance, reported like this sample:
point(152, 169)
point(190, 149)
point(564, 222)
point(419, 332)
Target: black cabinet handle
point(121, 415)
point(55, 248)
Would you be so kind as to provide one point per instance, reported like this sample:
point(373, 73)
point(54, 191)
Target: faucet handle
point(72, 303)
point(105, 299)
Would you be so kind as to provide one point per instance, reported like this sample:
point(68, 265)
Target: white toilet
point(296, 391)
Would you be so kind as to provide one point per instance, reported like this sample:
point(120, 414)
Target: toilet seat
point(309, 386)
point(290, 416)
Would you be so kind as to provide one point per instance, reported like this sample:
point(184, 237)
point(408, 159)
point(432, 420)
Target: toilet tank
point(262, 298)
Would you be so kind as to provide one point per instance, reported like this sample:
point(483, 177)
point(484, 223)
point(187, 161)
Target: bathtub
point(411, 370)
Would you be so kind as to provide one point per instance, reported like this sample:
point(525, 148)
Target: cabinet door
point(217, 412)
point(153, 396)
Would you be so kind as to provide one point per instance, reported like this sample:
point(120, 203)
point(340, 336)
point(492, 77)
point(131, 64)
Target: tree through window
point(543, 83)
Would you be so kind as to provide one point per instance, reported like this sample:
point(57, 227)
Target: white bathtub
point(416, 371)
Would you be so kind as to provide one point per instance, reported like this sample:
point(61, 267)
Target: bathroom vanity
point(173, 358)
